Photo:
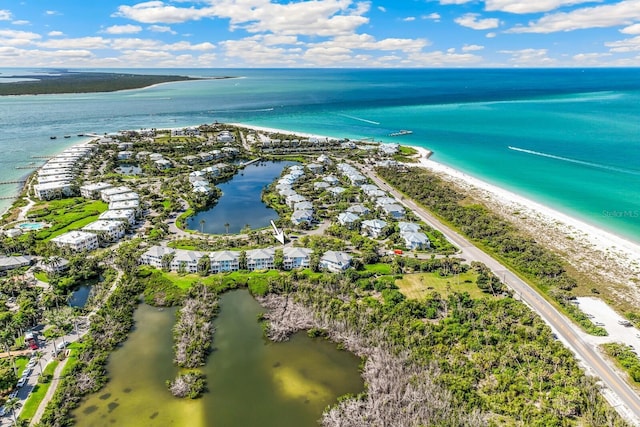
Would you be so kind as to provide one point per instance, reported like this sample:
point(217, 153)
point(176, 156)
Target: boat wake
point(359, 119)
point(576, 161)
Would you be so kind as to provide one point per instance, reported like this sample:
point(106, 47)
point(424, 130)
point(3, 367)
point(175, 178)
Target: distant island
point(83, 82)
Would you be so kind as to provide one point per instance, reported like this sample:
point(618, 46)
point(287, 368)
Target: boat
point(53, 137)
point(67, 136)
point(81, 134)
point(401, 132)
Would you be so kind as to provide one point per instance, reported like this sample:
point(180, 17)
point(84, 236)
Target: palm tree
point(202, 221)
point(12, 405)
point(7, 337)
point(226, 226)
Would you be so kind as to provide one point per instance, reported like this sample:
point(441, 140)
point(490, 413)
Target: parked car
point(13, 394)
point(27, 371)
point(3, 411)
point(62, 345)
point(21, 381)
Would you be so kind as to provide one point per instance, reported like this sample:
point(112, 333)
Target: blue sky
point(319, 33)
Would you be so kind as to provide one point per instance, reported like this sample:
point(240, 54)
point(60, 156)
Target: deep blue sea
point(574, 134)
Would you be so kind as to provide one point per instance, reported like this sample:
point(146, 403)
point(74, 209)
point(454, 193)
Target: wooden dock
point(17, 181)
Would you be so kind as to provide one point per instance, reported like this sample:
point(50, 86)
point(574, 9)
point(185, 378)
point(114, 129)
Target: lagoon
point(240, 204)
point(251, 381)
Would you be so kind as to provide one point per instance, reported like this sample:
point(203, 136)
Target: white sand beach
point(589, 249)
point(283, 131)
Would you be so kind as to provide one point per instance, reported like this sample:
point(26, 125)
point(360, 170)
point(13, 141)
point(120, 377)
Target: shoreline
point(585, 246)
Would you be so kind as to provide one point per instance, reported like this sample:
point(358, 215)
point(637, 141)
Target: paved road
point(46, 349)
point(626, 401)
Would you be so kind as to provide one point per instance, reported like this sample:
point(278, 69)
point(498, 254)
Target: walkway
point(50, 392)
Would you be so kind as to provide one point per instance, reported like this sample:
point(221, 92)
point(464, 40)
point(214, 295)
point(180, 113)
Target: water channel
point(240, 204)
point(251, 381)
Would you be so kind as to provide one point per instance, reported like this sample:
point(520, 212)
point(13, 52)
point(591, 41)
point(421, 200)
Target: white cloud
point(455, 1)
point(530, 57)
point(17, 38)
point(471, 47)
point(470, 20)
point(443, 59)
point(432, 16)
point(625, 45)
point(161, 29)
point(123, 29)
point(76, 43)
point(631, 29)
point(530, 6)
point(622, 13)
point(315, 18)
point(181, 46)
point(491, 35)
point(5, 15)
point(409, 19)
point(21, 22)
point(52, 12)
point(591, 58)
point(382, 9)
point(157, 12)
point(55, 33)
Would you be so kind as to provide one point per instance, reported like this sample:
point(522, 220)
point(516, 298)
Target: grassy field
point(416, 286)
point(37, 394)
point(66, 215)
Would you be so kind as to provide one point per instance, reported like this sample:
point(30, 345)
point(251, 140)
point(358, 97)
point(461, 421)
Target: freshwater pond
point(251, 381)
point(240, 204)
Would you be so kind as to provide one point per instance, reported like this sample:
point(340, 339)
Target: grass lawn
point(416, 286)
point(37, 394)
point(66, 215)
point(380, 268)
point(42, 276)
point(258, 279)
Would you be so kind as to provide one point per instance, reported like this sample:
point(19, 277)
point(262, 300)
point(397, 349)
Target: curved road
point(566, 330)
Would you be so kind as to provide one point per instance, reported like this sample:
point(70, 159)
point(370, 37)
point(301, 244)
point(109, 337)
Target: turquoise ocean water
point(574, 134)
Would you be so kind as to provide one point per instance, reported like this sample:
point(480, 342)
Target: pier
point(250, 162)
point(17, 181)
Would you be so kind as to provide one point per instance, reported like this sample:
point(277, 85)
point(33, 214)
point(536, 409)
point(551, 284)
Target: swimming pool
point(31, 225)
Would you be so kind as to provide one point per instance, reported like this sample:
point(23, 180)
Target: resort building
point(224, 261)
point(302, 206)
point(225, 136)
point(47, 179)
point(373, 227)
point(127, 204)
point(408, 227)
point(52, 190)
point(321, 185)
point(316, 168)
point(336, 191)
point(163, 164)
point(186, 261)
point(125, 215)
point(92, 191)
point(415, 240)
point(124, 155)
point(77, 241)
point(335, 261)
point(348, 219)
point(296, 257)
point(298, 217)
point(260, 259)
point(123, 197)
point(107, 193)
point(13, 262)
point(358, 209)
point(381, 201)
point(296, 198)
point(107, 231)
point(394, 210)
point(153, 256)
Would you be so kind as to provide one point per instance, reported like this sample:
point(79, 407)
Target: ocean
point(567, 138)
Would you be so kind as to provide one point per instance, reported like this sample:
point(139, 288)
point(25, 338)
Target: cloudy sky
point(319, 33)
